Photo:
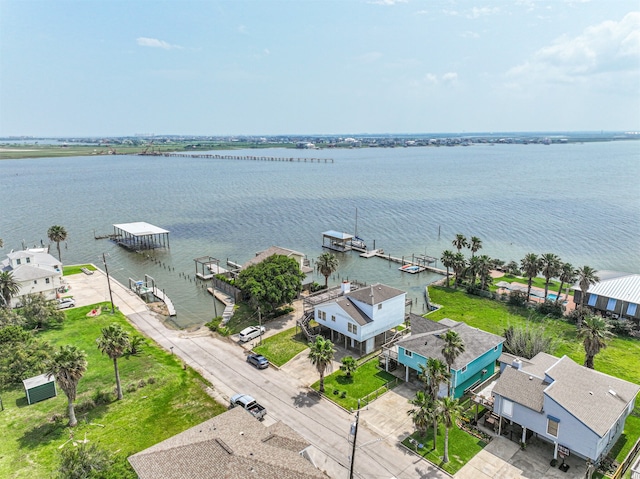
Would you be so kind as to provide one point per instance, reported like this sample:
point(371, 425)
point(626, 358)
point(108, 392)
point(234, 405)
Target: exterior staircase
point(304, 325)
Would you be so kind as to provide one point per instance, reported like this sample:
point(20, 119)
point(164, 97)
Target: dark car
point(258, 361)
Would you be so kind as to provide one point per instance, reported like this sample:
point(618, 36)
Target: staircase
point(304, 325)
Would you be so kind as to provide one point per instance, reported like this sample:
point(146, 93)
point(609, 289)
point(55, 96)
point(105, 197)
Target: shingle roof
point(594, 398)
point(420, 324)
point(233, 445)
point(262, 255)
point(375, 294)
point(353, 311)
point(522, 388)
point(429, 344)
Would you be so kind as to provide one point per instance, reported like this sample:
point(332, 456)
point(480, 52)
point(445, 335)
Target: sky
point(316, 67)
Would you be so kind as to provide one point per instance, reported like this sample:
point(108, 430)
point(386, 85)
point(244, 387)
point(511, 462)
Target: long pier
point(249, 157)
point(420, 263)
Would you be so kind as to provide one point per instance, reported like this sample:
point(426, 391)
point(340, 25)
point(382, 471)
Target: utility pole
point(260, 325)
point(213, 293)
point(106, 270)
point(354, 427)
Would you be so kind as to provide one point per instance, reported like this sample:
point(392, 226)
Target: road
point(287, 398)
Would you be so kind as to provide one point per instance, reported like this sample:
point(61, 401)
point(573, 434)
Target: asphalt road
point(286, 397)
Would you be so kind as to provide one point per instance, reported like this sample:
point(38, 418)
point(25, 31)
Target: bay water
point(580, 201)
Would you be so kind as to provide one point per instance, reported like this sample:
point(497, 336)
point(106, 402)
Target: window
point(352, 328)
point(592, 299)
point(631, 309)
point(496, 348)
point(355, 329)
point(464, 369)
point(46, 280)
point(35, 281)
point(28, 260)
point(324, 315)
point(552, 426)
point(611, 304)
point(408, 354)
point(380, 306)
point(507, 408)
point(333, 318)
point(18, 261)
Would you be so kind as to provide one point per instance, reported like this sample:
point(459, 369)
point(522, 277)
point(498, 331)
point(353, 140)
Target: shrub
point(101, 397)
point(151, 380)
point(83, 461)
point(578, 313)
point(214, 324)
point(224, 331)
point(550, 308)
point(622, 327)
point(517, 298)
point(85, 406)
point(526, 341)
point(315, 287)
point(131, 388)
point(141, 383)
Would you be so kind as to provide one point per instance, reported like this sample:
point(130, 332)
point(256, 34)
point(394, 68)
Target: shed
point(39, 388)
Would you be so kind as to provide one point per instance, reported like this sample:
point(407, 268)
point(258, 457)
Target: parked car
point(66, 303)
point(252, 332)
point(258, 361)
point(249, 404)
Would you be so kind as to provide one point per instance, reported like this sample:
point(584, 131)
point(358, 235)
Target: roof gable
point(375, 294)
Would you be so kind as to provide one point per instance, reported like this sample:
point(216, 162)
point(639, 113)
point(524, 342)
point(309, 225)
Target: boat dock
point(417, 264)
point(148, 291)
point(207, 267)
point(165, 299)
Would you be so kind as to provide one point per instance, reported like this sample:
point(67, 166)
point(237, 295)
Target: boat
point(356, 242)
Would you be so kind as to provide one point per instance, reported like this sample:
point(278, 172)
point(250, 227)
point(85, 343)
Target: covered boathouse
point(336, 240)
point(140, 236)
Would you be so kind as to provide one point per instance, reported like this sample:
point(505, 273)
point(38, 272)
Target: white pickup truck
point(249, 404)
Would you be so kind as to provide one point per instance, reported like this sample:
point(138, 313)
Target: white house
point(357, 317)
point(579, 410)
point(36, 271)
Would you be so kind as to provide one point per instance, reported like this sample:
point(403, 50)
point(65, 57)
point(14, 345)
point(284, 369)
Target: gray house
point(616, 295)
point(575, 408)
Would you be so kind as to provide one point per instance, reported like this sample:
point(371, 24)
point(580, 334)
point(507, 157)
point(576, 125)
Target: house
point(233, 444)
point(36, 271)
point(616, 295)
point(300, 258)
point(357, 317)
point(579, 410)
point(473, 366)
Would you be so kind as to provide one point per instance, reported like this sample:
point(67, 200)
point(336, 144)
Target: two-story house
point(579, 410)
point(474, 365)
point(358, 317)
point(36, 271)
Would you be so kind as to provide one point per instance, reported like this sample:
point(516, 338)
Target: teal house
point(476, 364)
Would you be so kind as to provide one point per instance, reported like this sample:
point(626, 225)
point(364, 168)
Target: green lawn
point(462, 447)
point(365, 380)
point(76, 269)
point(537, 282)
point(282, 347)
point(161, 399)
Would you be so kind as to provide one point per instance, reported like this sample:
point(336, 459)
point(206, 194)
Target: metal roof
point(140, 229)
point(624, 287)
point(337, 235)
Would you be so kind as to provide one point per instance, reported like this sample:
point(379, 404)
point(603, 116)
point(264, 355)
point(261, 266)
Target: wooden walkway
point(250, 158)
point(406, 262)
point(165, 299)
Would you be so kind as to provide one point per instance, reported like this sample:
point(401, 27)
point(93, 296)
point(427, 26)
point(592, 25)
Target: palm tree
point(460, 242)
point(419, 414)
point(567, 276)
point(327, 264)
point(114, 342)
point(474, 245)
point(452, 348)
point(349, 365)
point(447, 259)
point(68, 366)
point(587, 276)
point(595, 331)
point(450, 409)
point(321, 354)
point(550, 267)
point(473, 269)
point(530, 267)
point(485, 264)
point(57, 234)
point(436, 373)
point(9, 288)
point(458, 266)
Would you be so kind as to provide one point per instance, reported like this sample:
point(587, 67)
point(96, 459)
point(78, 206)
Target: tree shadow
point(344, 380)
point(51, 430)
point(306, 399)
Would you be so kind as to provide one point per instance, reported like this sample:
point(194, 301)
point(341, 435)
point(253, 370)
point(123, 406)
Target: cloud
point(450, 77)
point(605, 49)
point(482, 12)
point(155, 43)
point(388, 2)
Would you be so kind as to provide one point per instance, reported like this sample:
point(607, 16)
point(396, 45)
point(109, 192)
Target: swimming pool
point(552, 297)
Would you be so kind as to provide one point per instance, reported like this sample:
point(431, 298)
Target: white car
point(66, 303)
point(252, 332)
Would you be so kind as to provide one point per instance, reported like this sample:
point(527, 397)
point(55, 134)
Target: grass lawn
point(462, 447)
point(537, 282)
point(365, 380)
point(161, 399)
point(76, 269)
point(282, 347)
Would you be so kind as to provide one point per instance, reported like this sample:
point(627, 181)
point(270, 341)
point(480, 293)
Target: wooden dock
point(404, 262)
point(249, 158)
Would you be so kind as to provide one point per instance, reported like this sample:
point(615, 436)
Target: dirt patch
point(158, 307)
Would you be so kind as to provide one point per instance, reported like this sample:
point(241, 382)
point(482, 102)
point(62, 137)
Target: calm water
point(580, 201)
